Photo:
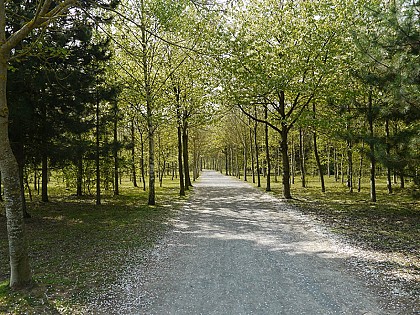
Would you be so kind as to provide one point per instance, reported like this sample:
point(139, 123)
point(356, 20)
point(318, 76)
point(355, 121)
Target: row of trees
point(137, 87)
point(345, 71)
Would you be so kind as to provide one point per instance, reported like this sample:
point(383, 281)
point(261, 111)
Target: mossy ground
point(76, 245)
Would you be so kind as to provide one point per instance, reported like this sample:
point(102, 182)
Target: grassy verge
point(392, 224)
point(76, 245)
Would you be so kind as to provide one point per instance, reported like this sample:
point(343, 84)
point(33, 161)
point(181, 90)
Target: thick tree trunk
point(20, 271)
point(267, 151)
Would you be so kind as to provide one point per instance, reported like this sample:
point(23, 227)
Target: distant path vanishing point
point(237, 250)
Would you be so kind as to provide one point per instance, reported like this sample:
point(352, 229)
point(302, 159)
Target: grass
point(391, 224)
point(76, 246)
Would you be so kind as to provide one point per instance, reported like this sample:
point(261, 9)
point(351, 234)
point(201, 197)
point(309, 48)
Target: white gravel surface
point(237, 250)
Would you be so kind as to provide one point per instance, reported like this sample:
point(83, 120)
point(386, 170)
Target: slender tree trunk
point(317, 158)
point(245, 160)
point(1, 190)
point(180, 146)
point(257, 150)
point(142, 161)
point(293, 161)
point(251, 148)
point(359, 180)
point(286, 165)
point(372, 150)
point(284, 149)
point(44, 175)
point(133, 154)
point(388, 154)
point(186, 155)
point(20, 271)
point(267, 151)
point(79, 179)
point(349, 166)
point(328, 159)
point(115, 147)
point(302, 157)
point(97, 157)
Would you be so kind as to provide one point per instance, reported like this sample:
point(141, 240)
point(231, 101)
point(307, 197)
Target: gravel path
point(237, 250)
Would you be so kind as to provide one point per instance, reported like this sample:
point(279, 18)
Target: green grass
point(392, 224)
point(76, 246)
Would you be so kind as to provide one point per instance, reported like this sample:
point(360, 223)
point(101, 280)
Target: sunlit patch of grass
point(390, 224)
point(76, 246)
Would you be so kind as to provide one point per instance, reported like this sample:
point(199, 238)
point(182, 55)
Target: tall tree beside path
point(45, 12)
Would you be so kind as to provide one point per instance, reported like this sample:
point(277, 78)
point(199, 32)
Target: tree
point(20, 271)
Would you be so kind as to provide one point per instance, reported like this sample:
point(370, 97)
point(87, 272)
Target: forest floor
point(79, 251)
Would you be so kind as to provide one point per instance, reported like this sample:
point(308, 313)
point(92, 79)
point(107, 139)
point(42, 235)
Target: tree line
point(100, 90)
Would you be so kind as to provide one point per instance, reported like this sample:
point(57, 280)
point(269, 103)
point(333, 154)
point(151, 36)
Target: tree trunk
point(388, 154)
point(257, 154)
point(293, 161)
point(20, 271)
point(44, 175)
point(186, 155)
point(180, 148)
point(115, 152)
point(318, 161)
point(372, 150)
point(245, 160)
point(133, 154)
point(349, 166)
point(302, 157)
point(142, 161)
point(359, 181)
point(286, 165)
point(97, 156)
point(267, 151)
point(79, 179)
point(1, 190)
point(251, 147)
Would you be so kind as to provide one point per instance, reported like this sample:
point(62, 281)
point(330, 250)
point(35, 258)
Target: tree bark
point(133, 154)
point(251, 147)
point(20, 271)
point(372, 149)
point(142, 161)
point(388, 154)
point(302, 157)
point(97, 156)
point(115, 152)
point(257, 155)
point(180, 147)
point(186, 155)
point(267, 151)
